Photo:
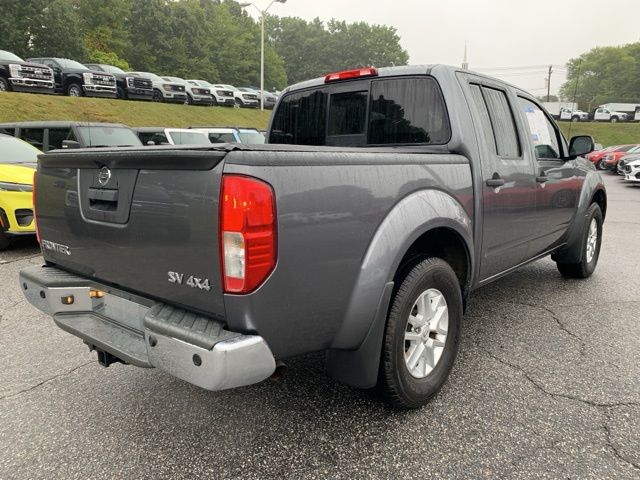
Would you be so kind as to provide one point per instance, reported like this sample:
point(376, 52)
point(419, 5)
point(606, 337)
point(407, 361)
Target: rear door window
point(485, 120)
point(504, 126)
point(407, 110)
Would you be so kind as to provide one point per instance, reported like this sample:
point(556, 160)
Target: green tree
point(41, 28)
point(311, 49)
point(604, 74)
point(104, 23)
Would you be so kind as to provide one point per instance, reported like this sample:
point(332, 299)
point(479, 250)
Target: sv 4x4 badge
point(191, 281)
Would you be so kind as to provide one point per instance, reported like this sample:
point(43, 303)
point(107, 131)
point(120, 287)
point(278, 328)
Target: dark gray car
point(384, 198)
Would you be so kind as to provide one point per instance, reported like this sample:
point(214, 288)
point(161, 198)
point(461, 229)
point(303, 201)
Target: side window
point(485, 121)
point(34, 136)
point(504, 126)
point(56, 137)
point(543, 133)
point(8, 131)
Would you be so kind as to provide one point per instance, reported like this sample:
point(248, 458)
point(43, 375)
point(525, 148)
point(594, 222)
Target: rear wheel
point(4, 85)
point(591, 241)
point(157, 96)
point(422, 334)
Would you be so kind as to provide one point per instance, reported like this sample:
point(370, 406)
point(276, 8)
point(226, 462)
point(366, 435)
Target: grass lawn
point(605, 133)
point(21, 107)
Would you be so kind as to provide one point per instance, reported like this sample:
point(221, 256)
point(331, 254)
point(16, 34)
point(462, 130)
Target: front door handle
point(495, 182)
point(542, 179)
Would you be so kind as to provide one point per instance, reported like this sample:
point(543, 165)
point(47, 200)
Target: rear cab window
point(380, 111)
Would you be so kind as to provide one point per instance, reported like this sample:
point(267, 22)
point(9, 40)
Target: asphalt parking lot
point(547, 385)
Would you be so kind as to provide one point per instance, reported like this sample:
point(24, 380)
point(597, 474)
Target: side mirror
point(70, 144)
point(580, 145)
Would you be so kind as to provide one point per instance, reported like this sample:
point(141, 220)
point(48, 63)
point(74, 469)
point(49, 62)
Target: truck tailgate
point(143, 220)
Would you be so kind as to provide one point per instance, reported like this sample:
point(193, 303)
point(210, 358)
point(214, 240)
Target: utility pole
point(549, 82)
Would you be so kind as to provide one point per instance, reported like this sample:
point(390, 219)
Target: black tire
point(602, 164)
point(157, 96)
point(584, 268)
point(613, 119)
point(398, 385)
point(189, 100)
point(4, 85)
point(575, 119)
point(74, 89)
point(4, 241)
point(122, 95)
point(239, 103)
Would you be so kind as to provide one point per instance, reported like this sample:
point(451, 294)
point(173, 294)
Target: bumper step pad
point(146, 333)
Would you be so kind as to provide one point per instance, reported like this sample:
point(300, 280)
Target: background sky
point(500, 34)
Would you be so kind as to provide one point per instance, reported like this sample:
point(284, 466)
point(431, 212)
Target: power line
point(521, 68)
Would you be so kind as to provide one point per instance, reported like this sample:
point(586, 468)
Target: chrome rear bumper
point(145, 333)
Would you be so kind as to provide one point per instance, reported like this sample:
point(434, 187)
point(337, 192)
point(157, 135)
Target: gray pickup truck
point(383, 199)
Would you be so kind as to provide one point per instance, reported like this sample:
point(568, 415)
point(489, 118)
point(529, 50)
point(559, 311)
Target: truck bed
point(159, 214)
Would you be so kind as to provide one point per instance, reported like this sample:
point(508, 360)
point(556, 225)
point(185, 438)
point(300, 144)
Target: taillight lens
point(33, 201)
point(247, 233)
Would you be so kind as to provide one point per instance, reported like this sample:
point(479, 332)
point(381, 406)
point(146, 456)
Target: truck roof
point(401, 71)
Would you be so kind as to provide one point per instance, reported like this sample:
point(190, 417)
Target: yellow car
point(18, 162)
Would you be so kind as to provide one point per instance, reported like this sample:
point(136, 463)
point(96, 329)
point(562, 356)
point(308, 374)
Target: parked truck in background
point(128, 86)
point(76, 80)
point(163, 90)
point(221, 96)
point(383, 199)
point(566, 111)
point(608, 114)
point(20, 76)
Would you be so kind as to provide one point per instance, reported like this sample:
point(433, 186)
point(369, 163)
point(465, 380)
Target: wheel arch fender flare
point(71, 78)
point(354, 356)
point(409, 219)
point(593, 190)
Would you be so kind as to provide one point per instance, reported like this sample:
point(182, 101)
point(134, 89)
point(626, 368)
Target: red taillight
point(247, 233)
point(351, 74)
point(33, 201)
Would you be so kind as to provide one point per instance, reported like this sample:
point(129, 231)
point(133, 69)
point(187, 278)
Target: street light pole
point(263, 14)
point(262, 62)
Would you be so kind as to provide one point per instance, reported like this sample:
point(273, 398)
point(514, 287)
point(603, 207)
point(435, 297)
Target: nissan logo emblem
point(104, 176)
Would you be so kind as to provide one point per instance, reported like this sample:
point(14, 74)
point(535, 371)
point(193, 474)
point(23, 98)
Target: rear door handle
point(495, 182)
